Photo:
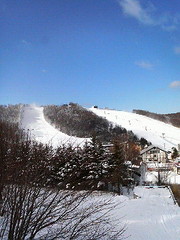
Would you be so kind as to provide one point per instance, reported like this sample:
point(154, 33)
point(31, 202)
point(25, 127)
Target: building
point(154, 154)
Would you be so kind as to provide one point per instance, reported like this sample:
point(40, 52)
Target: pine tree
point(93, 163)
point(118, 168)
point(175, 153)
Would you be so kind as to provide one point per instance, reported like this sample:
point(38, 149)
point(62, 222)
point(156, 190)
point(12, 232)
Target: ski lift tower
point(163, 136)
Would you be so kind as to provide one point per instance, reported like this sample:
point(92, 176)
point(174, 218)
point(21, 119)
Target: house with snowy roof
point(154, 154)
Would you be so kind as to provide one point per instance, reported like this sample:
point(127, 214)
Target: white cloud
point(44, 70)
point(148, 15)
point(134, 9)
point(175, 84)
point(25, 42)
point(145, 65)
point(177, 50)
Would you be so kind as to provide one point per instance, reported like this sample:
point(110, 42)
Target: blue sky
point(119, 54)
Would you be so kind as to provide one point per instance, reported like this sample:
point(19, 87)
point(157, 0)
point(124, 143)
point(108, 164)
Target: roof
point(151, 147)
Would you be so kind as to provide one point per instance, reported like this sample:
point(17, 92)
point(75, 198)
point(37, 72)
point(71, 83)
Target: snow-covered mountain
point(158, 133)
point(32, 120)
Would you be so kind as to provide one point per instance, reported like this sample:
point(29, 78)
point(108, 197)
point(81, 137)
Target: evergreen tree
point(118, 169)
point(175, 153)
point(98, 160)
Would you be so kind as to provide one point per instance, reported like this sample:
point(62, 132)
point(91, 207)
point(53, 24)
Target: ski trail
point(33, 121)
point(158, 133)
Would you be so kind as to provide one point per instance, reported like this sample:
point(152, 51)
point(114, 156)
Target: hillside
point(74, 120)
point(172, 118)
point(10, 113)
point(71, 121)
point(32, 120)
point(157, 132)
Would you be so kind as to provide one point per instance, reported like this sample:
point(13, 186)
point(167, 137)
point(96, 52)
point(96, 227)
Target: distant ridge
point(75, 120)
point(172, 118)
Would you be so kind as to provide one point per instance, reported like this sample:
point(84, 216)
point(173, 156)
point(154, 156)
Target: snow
point(167, 177)
point(158, 133)
point(151, 177)
point(32, 120)
point(151, 216)
point(174, 178)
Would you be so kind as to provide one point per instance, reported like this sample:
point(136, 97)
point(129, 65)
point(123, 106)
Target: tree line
point(10, 113)
point(66, 166)
point(172, 118)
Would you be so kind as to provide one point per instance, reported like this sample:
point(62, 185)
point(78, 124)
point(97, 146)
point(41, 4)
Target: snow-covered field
point(32, 120)
point(153, 216)
point(158, 133)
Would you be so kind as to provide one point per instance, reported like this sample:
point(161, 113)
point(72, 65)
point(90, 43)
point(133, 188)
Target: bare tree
point(10, 136)
point(41, 213)
point(32, 210)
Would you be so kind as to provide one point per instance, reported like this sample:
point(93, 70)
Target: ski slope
point(158, 133)
point(32, 120)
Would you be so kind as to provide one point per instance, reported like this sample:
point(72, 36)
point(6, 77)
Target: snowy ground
point(153, 216)
point(167, 177)
point(32, 120)
point(159, 133)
